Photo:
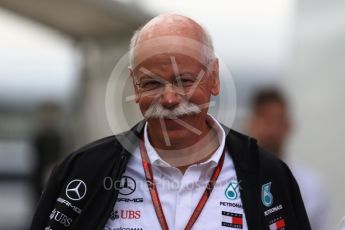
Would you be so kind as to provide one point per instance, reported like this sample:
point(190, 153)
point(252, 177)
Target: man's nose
point(169, 97)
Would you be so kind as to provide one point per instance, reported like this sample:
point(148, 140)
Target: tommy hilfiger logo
point(277, 224)
point(232, 220)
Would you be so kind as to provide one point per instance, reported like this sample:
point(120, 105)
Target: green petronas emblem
point(231, 191)
point(266, 195)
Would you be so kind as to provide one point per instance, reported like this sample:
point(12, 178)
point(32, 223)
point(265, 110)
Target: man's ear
point(136, 92)
point(214, 75)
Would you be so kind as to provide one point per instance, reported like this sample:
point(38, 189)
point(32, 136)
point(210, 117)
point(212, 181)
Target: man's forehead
point(171, 59)
point(169, 64)
point(166, 45)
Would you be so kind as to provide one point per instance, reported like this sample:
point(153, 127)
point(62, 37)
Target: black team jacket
point(78, 197)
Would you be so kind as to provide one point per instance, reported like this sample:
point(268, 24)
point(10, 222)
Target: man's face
point(183, 80)
point(270, 125)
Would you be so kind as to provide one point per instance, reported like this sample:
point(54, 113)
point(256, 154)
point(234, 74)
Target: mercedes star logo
point(127, 185)
point(76, 190)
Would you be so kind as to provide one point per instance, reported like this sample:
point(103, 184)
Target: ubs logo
point(60, 218)
point(76, 190)
point(125, 214)
point(127, 185)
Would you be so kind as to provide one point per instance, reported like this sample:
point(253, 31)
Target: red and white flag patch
point(233, 220)
point(278, 225)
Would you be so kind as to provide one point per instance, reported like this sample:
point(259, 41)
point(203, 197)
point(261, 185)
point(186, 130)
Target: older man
point(183, 170)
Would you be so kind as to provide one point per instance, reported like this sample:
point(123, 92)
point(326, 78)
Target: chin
point(178, 134)
point(178, 129)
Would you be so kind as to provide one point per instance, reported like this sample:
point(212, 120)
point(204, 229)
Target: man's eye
point(151, 84)
point(186, 81)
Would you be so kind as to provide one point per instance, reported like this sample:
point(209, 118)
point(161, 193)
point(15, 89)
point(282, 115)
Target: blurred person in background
point(269, 122)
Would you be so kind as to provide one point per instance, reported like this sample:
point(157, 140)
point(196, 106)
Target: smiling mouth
point(171, 118)
point(176, 117)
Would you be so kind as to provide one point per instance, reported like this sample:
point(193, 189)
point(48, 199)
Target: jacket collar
point(239, 146)
point(244, 153)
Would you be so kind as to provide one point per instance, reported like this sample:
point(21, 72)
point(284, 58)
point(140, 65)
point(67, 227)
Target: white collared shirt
point(179, 193)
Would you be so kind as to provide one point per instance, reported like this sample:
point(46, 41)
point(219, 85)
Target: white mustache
point(184, 108)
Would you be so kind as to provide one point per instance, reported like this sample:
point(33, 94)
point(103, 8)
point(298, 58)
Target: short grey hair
point(206, 40)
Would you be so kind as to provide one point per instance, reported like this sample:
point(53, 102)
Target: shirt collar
point(155, 159)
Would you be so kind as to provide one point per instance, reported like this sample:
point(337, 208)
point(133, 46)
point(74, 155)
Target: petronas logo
point(266, 195)
point(231, 191)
